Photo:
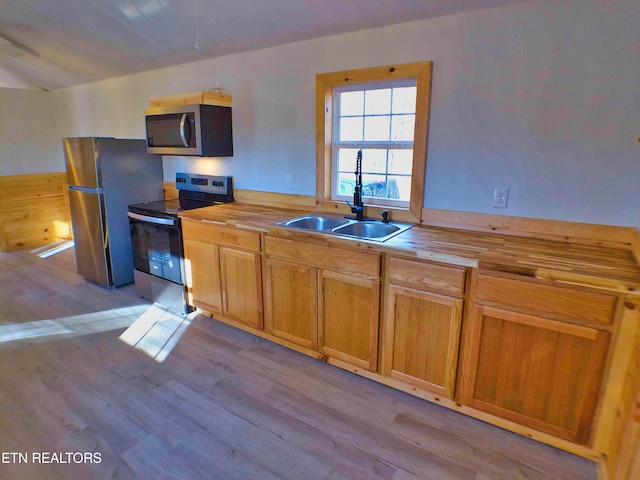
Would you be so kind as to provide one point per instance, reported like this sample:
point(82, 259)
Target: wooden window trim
point(325, 83)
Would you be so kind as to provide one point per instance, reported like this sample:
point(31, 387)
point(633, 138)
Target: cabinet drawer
point(427, 276)
point(365, 264)
point(220, 235)
point(546, 300)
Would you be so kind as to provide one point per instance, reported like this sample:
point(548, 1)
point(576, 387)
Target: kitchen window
point(384, 112)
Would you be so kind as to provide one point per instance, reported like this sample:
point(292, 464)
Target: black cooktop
point(169, 207)
point(195, 191)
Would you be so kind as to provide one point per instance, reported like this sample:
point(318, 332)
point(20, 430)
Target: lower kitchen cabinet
point(291, 306)
point(309, 303)
point(422, 321)
point(422, 338)
point(202, 269)
point(223, 269)
point(541, 373)
point(241, 286)
point(348, 320)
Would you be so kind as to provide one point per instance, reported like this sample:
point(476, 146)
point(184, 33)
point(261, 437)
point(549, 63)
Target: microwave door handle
point(183, 125)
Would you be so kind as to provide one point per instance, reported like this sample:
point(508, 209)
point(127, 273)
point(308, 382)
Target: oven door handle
point(150, 219)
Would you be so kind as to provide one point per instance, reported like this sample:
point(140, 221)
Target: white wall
point(29, 142)
point(541, 97)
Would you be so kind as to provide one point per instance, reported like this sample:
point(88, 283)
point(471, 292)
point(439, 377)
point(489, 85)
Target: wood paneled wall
point(34, 210)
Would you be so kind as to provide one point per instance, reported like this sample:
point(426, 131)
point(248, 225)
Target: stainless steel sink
point(316, 223)
point(333, 225)
point(372, 230)
point(367, 229)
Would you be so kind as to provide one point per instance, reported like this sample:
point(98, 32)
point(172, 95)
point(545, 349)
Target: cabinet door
point(540, 373)
point(291, 301)
point(348, 320)
point(202, 268)
point(241, 286)
point(422, 333)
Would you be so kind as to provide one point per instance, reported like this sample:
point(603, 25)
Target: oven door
point(157, 246)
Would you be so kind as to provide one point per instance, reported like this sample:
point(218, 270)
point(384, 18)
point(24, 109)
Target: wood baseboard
point(34, 210)
point(570, 232)
point(568, 446)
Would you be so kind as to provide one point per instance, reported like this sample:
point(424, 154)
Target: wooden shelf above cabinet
point(191, 98)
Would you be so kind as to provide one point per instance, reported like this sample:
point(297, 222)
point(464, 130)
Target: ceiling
point(51, 44)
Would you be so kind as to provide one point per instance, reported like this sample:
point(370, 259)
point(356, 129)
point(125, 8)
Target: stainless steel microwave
point(198, 130)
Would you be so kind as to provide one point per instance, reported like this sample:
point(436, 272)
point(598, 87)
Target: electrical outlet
point(500, 197)
point(289, 181)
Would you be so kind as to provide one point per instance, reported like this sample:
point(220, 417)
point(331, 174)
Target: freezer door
point(92, 254)
point(80, 158)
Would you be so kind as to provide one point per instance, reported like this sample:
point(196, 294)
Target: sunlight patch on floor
point(53, 248)
point(157, 331)
point(72, 326)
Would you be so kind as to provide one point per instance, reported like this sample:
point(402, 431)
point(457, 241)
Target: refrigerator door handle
point(76, 188)
point(147, 218)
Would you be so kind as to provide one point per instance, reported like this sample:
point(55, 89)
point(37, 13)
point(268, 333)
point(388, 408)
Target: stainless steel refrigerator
point(105, 175)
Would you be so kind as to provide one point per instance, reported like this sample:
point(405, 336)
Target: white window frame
point(325, 87)
point(364, 144)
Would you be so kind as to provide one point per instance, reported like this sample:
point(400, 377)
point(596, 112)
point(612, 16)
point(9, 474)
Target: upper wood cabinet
point(423, 316)
point(223, 270)
point(534, 369)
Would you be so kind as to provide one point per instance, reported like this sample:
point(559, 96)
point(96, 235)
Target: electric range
point(156, 237)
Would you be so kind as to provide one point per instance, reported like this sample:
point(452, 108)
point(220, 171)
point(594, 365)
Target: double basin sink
point(363, 229)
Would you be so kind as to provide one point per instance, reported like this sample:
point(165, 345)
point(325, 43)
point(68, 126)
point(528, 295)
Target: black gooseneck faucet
point(358, 206)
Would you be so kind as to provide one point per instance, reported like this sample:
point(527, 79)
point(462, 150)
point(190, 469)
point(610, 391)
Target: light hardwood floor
point(224, 405)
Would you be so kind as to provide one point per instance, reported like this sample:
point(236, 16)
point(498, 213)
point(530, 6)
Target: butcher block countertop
point(589, 265)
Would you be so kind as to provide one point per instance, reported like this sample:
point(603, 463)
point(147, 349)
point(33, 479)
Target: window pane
point(402, 127)
point(376, 128)
point(347, 159)
point(352, 103)
point(400, 161)
point(404, 100)
point(400, 186)
point(378, 118)
point(377, 101)
point(374, 161)
point(351, 129)
point(374, 186)
point(346, 183)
